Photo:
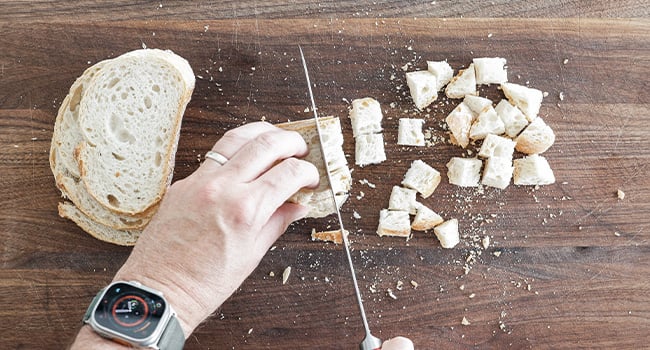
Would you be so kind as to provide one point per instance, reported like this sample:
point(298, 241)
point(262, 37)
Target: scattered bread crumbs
point(271, 274)
point(285, 275)
point(366, 182)
point(390, 293)
point(414, 284)
point(399, 285)
point(465, 322)
point(620, 194)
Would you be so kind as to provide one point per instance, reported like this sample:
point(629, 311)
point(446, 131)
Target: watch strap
point(92, 306)
point(173, 337)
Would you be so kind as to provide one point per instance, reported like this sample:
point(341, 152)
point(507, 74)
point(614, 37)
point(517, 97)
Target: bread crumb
point(400, 285)
point(566, 60)
point(285, 275)
point(390, 293)
point(465, 322)
point(617, 234)
point(486, 242)
point(356, 215)
point(272, 274)
point(414, 284)
point(497, 253)
point(471, 296)
point(620, 194)
point(250, 331)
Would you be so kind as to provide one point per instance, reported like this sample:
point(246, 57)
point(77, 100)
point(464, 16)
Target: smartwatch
point(132, 314)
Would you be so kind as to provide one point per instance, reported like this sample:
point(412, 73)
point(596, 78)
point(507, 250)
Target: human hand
point(213, 228)
point(398, 343)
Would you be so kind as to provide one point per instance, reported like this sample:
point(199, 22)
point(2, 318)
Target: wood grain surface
point(573, 264)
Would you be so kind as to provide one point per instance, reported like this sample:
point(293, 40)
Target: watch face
point(130, 311)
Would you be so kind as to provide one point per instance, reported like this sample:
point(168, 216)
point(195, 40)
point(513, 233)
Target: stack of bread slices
point(115, 140)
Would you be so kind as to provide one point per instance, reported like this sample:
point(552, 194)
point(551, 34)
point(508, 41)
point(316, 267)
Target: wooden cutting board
point(567, 265)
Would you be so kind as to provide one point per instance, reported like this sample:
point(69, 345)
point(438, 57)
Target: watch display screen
point(130, 311)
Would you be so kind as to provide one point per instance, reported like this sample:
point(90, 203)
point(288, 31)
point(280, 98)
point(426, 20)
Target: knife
point(370, 342)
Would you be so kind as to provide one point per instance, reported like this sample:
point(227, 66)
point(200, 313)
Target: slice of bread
point(464, 83)
point(403, 199)
point(514, 120)
point(365, 116)
point(319, 200)
point(334, 236)
point(447, 233)
point(394, 223)
point(533, 170)
point(423, 86)
point(487, 122)
point(536, 138)
point(476, 103)
point(409, 132)
point(465, 172)
point(369, 149)
point(459, 122)
point(497, 172)
point(97, 230)
point(443, 72)
point(528, 100)
point(497, 146)
point(490, 70)
point(425, 219)
point(130, 118)
point(421, 177)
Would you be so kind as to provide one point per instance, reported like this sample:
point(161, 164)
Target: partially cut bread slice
point(319, 200)
point(97, 230)
point(130, 118)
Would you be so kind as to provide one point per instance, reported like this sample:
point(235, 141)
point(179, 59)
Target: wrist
point(88, 339)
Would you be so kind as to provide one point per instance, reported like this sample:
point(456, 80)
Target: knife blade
point(370, 342)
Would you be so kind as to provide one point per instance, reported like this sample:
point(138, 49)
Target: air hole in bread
point(365, 104)
point(158, 159)
point(159, 141)
point(76, 98)
point(117, 156)
point(155, 88)
point(125, 136)
point(113, 82)
point(131, 221)
point(147, 102)
point(425, 89)
point(124, 95)
point(112, 200)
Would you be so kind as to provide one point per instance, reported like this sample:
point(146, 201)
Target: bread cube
point(513, 119)
point(443, 72)
point(369, 149)
point(464, 83)
point(536, 138)
point(497, 146)
point(423, 87)
point(476, 103)
point(464, 172)
point(447, 233)
point(365, 116)
point(533, 170)
point(497, 172)
point(528, 100)
point(410, 132)
point(394, 223)
point(490, 70)
point(422, 178)
point(460, 122)
point(487, 122)
point(403, 199)
point(425, 219)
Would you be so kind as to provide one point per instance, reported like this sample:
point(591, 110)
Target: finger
point(235, 139)
point(398, 343)
point(263, 152)
point(278, 223)
point(281, 182)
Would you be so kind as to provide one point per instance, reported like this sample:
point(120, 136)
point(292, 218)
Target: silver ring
point(217, 157)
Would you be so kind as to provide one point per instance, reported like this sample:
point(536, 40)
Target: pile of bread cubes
point(512, 124)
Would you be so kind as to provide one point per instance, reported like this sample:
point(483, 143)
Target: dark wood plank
point(587, 285)
point(120, 10)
